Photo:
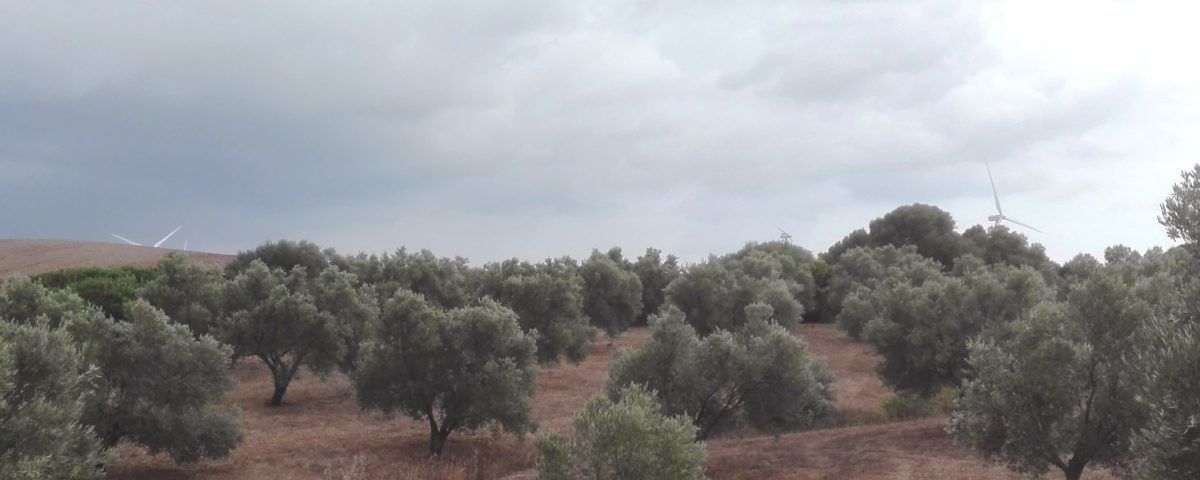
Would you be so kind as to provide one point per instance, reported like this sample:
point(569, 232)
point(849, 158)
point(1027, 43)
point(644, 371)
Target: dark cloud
point(537, 128)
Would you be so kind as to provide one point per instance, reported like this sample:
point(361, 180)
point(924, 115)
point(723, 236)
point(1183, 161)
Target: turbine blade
point(781, 230)
point(995, 194)
point(164, 239)
point(1022, 224)
point(126, 240)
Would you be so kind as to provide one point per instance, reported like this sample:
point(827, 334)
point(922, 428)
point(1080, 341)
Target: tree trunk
point(1074, 470)
point(280, 389)
point(437, 440)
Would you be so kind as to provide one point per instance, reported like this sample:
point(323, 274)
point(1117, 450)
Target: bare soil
point(32, 257)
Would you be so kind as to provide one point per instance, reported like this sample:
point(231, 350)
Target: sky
point(530, 129)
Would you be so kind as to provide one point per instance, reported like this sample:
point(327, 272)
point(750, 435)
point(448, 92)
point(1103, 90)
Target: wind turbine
point(784, 235)
point(999, 217)
point(156, 244)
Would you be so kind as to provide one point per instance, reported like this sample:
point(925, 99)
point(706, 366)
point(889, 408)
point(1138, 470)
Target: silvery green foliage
point(188, 294)
point(655, 274)
point(547, 298)
point(1181, 211)
point(26, 301)
point(714, 294)
point(612, 295)
point(354, 308)
point(866, 268)
point(761, 373)
point(1054, 388)
point(443, 281)
point(784, 264)
point(625, 439)
point(457, 369)
point(156, 385)
point(283, 255)
point(274, 315)
point(41, 399)
point(1168, 445)
point(922, 330)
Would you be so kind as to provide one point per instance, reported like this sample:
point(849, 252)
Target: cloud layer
point(537, 128)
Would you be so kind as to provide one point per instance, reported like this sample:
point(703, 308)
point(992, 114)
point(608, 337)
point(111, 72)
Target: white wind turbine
point(999, 217)
point(784, 235)
point(156, 244)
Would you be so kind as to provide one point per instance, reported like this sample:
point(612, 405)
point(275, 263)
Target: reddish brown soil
point(31, 257)
point(321, 434)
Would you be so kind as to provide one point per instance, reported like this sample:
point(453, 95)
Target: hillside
point(31, 257)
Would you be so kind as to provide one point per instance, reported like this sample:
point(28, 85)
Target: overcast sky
point(527, 128)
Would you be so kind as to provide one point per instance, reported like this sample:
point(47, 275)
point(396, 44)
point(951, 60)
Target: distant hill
point(32, 257)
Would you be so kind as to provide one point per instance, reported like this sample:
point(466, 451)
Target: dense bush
point(107, 288)
point(625, 439)
point(655, 273)
point(547, 298)
point(612, 294)
point(457, 369)
point(188, 294)
point(284, 255)
point(922, 331)
point(156, 385)
point(42, 392)
point(761, 374)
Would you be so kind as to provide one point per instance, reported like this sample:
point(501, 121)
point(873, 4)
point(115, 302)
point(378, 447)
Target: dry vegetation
point(321, 434)
point(32, 257)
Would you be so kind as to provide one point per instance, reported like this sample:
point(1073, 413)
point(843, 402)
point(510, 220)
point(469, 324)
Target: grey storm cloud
point(540, 128)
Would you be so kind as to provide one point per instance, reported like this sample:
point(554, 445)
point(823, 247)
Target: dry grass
point(32, 257)
point(320, 433)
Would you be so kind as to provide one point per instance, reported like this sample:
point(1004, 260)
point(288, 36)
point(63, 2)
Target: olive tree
point(612, 295)
point(25, 301)
point(624, 439)
point(42, 395)
point(761, 373)
point(271, 315)
point(188, 294)
point(922, 331)
point(1054, 388)
point(655, 273)
point(548, 300)
point(284, 255)
point(457, 369)
point(156, 384)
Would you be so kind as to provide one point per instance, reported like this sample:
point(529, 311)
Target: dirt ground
point(31, 257)
point(321, 434)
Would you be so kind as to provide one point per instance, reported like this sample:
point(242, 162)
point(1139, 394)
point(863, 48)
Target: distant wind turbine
point(999, 217)
point(784, 235)
point(156, 244)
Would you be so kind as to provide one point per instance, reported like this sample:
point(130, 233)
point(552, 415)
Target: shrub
point(107, 288)
point(612, 296)
point(762, 373)
point(626, 439)
point(908, 406)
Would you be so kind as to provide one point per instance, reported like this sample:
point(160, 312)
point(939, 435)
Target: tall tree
point(188, 294)
point(548, 299)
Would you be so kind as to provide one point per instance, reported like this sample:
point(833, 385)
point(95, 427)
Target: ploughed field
point(32, 257)
point(321, 434)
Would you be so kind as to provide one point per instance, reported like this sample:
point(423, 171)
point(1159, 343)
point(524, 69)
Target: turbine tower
point(999, 217)
point(156, 244)
point(784, 235)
